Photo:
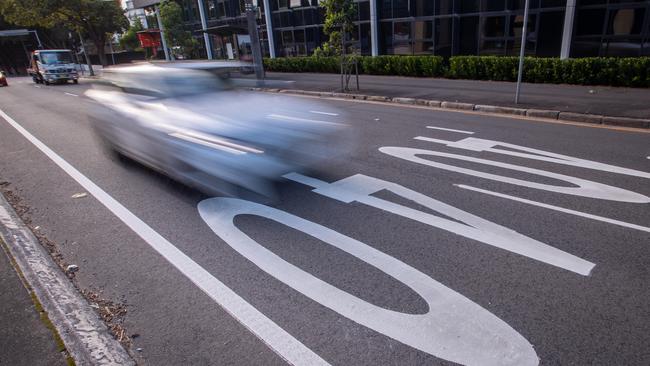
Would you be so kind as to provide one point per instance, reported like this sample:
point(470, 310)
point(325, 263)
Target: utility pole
point(522, 52)
point(83, 48)
point(255, 39)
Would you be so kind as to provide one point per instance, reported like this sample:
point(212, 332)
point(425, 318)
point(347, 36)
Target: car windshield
point(52, 58)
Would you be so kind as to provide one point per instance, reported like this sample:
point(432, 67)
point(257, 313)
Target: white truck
point(53, 66)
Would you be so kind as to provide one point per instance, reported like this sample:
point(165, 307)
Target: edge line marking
point(276, 338)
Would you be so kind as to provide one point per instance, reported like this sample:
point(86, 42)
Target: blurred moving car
point(3, 79)
point(192, 125)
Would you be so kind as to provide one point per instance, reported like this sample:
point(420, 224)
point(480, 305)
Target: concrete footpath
point(595, 101)
point(25, 338)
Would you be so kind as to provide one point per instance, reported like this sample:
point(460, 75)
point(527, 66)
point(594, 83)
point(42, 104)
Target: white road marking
point(37, 86)
point(450, 129)
point(74, 95)
point(325, 113)
point(359, 188)
point(283, 117)
point(285, 345)
point(454, 328)
point(477, 144)
point(585, 188)
point(556, 208)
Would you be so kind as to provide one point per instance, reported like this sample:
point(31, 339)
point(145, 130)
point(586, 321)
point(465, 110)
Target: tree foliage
point(339, 21)
point(178, 39)
point(93, 18)
point(129, 40)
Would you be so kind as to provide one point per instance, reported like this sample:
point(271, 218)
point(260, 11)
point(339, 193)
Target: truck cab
point(53, 66)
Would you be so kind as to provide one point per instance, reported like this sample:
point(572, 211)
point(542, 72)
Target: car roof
point(145, 67)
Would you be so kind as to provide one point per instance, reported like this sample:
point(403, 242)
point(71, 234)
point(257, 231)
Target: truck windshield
point(50, 58)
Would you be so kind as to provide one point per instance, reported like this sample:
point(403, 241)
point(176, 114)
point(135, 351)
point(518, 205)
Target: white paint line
point(477, 144)
point(454, 328)
point(285, 345)
point(556, 208)
point(360, 188)
point(450, 129)
point(74, 95)
point(37, 86)
point(325, 113)
point(581, 187)
point(282, 117)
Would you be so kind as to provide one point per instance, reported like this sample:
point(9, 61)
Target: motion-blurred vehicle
point(52, 66)
point(3, 79)
point(187, 121)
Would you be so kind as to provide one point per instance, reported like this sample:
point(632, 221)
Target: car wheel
point(46, 82)
point(75, 81)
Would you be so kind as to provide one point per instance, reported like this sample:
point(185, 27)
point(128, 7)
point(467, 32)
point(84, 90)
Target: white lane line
point(282, 117)
point(325, 113)
point(74, 95)
point(450, 129)
point(285, 345)
point(37, 86)
point(556, 208)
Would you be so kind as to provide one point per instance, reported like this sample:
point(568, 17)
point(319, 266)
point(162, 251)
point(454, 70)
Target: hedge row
point(431, 66)
point(634, 72)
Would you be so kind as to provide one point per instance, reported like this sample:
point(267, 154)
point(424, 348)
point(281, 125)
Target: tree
point(339, 21)
point(178, 39)
point(93, 18)
point(129, 39)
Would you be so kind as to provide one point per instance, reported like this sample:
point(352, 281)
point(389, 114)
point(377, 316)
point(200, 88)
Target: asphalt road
point(490, 279)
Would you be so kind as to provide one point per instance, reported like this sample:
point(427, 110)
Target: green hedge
point(431, 66)
point(634, 72)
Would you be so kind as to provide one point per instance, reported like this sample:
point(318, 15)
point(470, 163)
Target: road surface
point(440, 238)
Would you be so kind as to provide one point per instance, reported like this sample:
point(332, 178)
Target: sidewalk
point(599, 100)
point(24, 337)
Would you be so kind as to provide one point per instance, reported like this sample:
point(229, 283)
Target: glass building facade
point(436, 27)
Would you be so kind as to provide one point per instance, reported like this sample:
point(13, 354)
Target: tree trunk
point(101, 53)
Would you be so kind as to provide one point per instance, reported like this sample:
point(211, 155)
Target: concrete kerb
point(532, 112)
point(84, 334)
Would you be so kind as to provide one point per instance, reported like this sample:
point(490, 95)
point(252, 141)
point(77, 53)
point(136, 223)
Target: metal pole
point(374, 32)
point(204, 25)
point(90, 65)
point(567, 32)
point(40, 45)
point(522, 52)
point(110, 44)
point(255, 40)
point(269, 28)
point(162, 34)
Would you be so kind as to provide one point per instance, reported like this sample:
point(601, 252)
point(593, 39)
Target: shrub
point(634, 72)
point(430, 66)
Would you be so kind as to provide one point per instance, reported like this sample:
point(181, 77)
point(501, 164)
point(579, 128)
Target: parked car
point(186, 121)
point(3, 79)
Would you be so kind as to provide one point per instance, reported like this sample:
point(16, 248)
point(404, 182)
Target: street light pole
point(522, 52)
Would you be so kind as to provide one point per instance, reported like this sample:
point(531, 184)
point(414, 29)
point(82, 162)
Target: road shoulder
point(83, 333)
